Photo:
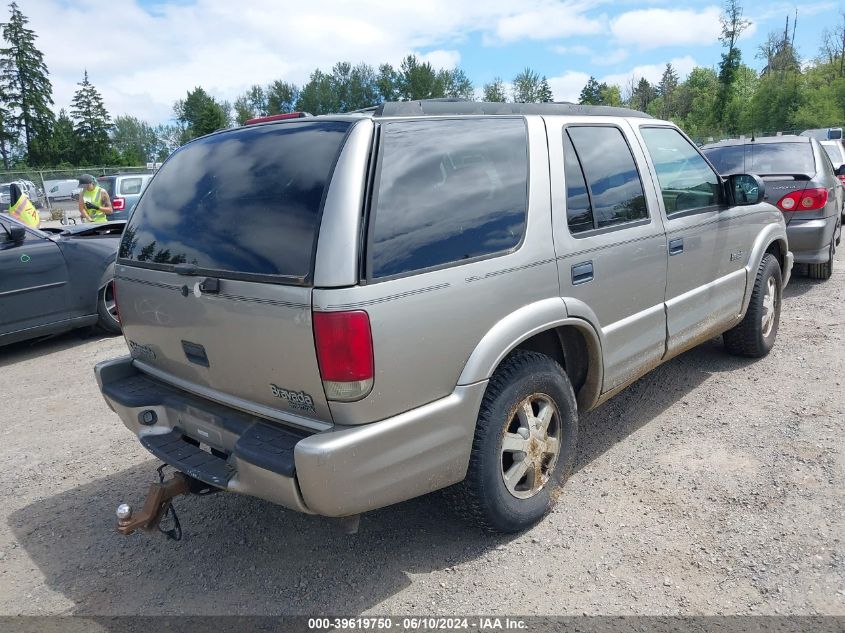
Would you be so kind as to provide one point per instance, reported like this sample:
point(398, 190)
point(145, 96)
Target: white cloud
point(153, 58)
point(652, 72)
point(571, 50)
point(441, 59)
point(549, 20)
point(610, 58)
point(567, 87)
point(654, 28)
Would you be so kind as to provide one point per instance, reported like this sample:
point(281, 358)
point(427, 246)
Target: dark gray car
point(55, 280)
point(801, 182)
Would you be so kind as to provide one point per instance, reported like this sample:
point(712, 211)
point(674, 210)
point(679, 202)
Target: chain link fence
point(54, 187)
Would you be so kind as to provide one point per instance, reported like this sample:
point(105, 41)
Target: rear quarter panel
point(426, 326)
point(89, 260)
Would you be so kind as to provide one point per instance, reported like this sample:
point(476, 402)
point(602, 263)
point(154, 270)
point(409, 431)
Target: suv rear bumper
point(340, 472)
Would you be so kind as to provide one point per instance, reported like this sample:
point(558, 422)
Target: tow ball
point(155, 507)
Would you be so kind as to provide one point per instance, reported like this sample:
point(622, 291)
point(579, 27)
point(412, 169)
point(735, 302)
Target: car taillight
point(344, 345)
point(118, 204)
point(807, 200)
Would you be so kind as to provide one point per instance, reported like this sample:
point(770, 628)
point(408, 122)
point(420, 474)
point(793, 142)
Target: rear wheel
point(107, 309)
point(524, 445)
point(825, 270)
point(755, 335)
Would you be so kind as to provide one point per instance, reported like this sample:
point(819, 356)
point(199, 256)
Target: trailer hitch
point(156, 505)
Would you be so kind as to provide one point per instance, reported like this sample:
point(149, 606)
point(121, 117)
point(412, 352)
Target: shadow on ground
point(46, 345)
point(244, 556)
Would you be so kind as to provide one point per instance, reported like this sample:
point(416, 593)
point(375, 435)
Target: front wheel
point(524, 445)
point(755, 335)
point(107, 310)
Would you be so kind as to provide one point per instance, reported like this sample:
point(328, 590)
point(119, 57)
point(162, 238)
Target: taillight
point(807, 200)
point(345, 353)
point(118, 204)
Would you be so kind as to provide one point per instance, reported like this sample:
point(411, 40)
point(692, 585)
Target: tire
point(752, 337)
point(483, 497)
point(823, 271)
point(107, 309)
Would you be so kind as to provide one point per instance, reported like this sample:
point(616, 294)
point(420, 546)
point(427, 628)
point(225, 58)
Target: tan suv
point(342, 312)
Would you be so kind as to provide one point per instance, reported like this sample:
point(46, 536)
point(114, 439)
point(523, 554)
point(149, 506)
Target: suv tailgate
point(216, 265)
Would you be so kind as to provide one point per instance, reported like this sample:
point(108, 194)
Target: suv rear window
point(239, 203)
point(448, 191)
point(763, 159)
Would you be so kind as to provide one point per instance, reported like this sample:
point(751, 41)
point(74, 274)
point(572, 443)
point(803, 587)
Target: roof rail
point(439, 107)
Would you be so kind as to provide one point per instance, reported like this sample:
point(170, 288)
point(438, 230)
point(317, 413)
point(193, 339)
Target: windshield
point(245, 202)
point(763, 159)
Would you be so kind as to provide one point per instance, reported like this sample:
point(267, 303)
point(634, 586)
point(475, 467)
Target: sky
point(142, 55)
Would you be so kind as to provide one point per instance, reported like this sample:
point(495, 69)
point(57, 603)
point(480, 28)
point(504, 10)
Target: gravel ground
point(714, 485)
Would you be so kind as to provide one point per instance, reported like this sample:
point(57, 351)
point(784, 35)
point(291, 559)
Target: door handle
point(582, 273)
point(676, 246)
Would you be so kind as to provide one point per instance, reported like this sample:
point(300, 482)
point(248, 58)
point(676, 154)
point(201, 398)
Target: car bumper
point(809, 240)
point(340, 472)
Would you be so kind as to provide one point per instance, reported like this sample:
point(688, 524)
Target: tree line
point(730, 99)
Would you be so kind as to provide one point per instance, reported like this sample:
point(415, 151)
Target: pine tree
point(590, 93)
point(545, 95)
point(91, 123)
point(666, 90)
point(733, 24)
point(63, 142)
point(26, 88)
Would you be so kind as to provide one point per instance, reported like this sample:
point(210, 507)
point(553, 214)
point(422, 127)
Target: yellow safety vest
point(24, 211)
point(94, 198)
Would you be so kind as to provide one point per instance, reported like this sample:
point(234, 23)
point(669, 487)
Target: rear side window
point(130, 186)
point(686, 180)
point(447, 191)
point(243, 202)
point(613, 183)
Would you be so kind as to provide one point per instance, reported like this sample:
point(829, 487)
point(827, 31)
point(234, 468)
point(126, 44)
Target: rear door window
point(240, 203)
point(447, 191)
point(613, 184)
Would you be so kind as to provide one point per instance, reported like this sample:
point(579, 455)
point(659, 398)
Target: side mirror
point(17, 234)
point(746, 189)
point(840, 171)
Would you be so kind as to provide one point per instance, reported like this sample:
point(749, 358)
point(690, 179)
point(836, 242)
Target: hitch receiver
point(155, 505)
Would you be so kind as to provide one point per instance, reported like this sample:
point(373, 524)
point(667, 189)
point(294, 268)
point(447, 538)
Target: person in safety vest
point(21, 207)
point(94, 202)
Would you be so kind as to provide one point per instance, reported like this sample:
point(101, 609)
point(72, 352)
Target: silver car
point(343, 312)
point(802, 183)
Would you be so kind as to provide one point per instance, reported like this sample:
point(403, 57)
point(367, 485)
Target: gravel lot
point(714, 485)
